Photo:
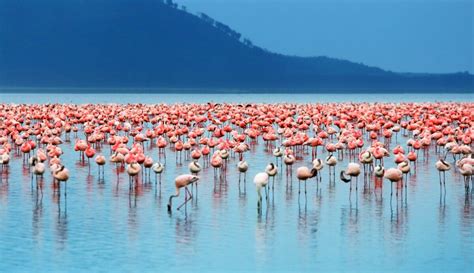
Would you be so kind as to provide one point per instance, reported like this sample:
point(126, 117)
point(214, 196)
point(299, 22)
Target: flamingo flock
point(376, 140)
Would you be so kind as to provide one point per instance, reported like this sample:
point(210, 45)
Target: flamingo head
point(193, 179)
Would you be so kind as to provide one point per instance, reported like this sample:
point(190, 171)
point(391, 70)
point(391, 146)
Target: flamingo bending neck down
point(353, 170)
point(182, 181)
point(261, 181)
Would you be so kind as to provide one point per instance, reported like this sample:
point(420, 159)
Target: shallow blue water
point(103, 227)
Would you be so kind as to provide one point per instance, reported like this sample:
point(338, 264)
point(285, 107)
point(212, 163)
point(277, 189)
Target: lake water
point(104, 227)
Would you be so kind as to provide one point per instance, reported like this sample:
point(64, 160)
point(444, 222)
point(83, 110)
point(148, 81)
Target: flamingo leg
point(188, 196)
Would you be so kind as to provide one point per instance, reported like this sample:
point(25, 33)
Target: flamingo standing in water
point(466, 171)
point(133, 169)
point(181, 181)
point(318, 164)
point(272, 171)
point(147, 164)
point(366, 158)
point(404, 167)
point(243, 166)
point(289, 160)
point(394, 175)
point(4, 160)
point(38, 168)
point(331, 161)
point(303, 174)
point(379, 171)
point(61, 174)
point(158, 168)
point(261, 181)
point(90, 152)
point(194, 168)
point(352, 170)
point(442, 166)
point(100, 160)
point(216, 163)
point(278, 153)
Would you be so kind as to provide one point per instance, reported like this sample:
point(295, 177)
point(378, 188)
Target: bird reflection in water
point(132, 212)
point(468, 212)
point(350, 219)
point(4, 173)
point(4, 191)
point(90, 183)
point(185, 232)
point(399, 215)
point(61, 221)
point(260, 239)
point(37, 215)
point(442, 209)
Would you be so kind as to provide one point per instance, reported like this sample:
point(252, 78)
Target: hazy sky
point(398, 35)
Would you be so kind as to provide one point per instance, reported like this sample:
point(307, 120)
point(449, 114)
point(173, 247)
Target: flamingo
point(394, 175)
point(181, 181)
point(4, 160)
point(466, 171)
point(261, 181)
point(158, 168)
point(352, 170)
point(442, 166)
point(61, 174)
point(404, 167)
point(289, 160)
point(331, 161)
point(90, 152)
point(278, 153)
point(272, 171)
point(147, 164)
point(379, 171)
point(194, 167)
point(100, 160)
point(318, 164)
point(303, 174)
point(366, 158)
point(38, 168)
point(243, 166)
point(133, 169)
point(216, 162)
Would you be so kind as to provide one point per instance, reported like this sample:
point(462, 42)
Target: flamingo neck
point(170, 201)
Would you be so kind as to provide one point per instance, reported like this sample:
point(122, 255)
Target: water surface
point(103, 227)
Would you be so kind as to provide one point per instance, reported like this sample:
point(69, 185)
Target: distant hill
point(151, 43)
